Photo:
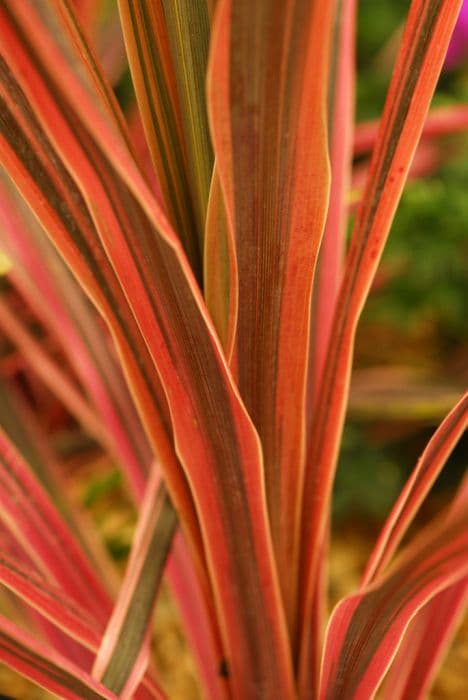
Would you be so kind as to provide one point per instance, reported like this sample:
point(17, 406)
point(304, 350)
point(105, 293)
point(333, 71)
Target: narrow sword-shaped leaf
point(48, 370)
point(46, 667)
point(56, 201)
point(197, 612)
point(366, 628)
point(184, 568)
point(39, 274)
point(123, 653)
point(416, 488)
point(424, 645)
point(53, 555)
point(27, 616)
point(223, 463)
point(51, 602)
point(164, 536)
point(220, 269)
point(267, 95)
point(23, 429)
point(85, 324)
point(38, 528)
point(151, 64)
point(419, 62)
point(418, 657)
point(188, 31)
point(59, 15)
point(332, 251)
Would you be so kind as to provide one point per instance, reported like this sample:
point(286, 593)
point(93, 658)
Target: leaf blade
point(267, 92)
point(419, 655)
point(46, 667)
point(223, 463)
point(123, 653)
point(149, 53)
point(419, 62)
point(366, 628)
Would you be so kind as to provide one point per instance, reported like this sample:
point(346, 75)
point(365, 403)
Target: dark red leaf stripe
point(51, 602)
point(267, 94)
point(46, 667)
point(366, 628)
point(60, 206)
point(37, 527)
point(426, 38)
point(224, 463)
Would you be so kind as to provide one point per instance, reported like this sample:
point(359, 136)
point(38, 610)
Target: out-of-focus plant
point(213, 249)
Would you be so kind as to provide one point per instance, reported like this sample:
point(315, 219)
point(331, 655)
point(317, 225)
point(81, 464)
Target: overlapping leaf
point(27, 435)
point(197, 612)
point(214, 437)
point(69, 317)
point(428, 31)
point(60, 583)
point(46, 667)
point(46, 284)
point(366, 628)
point(267, 96)
point(66, 211)
point(427, 638)
point(332, 251)
point(425, 643)
point(50, 373)
point(167, 57)
point(123, 653)
point(33, 521)
point(50, 601)
point(256, 223)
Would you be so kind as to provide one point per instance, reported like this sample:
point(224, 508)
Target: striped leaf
point(188, 31)
point(87, 353)
point(332, 251)
point(65, 214)
point(37, 527)
point(48, 370)
point(214, 436)
point(50, 602)
point(123, 653)
point(24, 431)
point(426, 37)
point(366, 628)
point(220, 269)
point(425, 644)
point(46, 667)
point(196, 609)
point(53, 589)
point(427, 639)
point(267, 94)
point(56, 299)
point(157, 76)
